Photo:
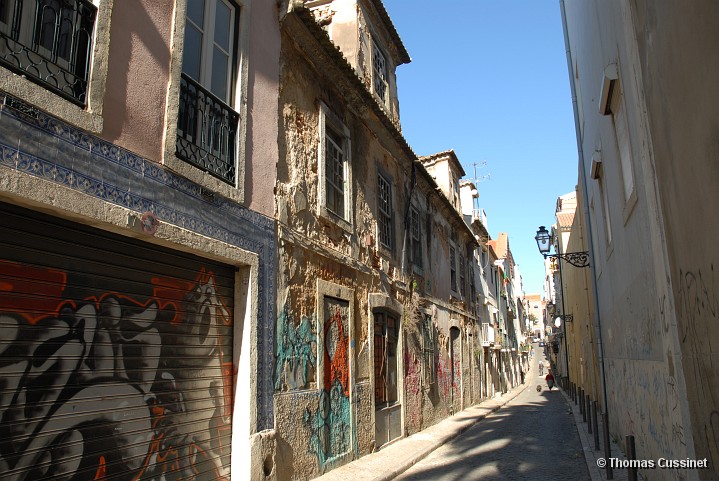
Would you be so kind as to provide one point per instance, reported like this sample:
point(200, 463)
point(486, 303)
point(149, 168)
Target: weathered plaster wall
point(645, 380)
point(683, 125)
point(313, 245)
point(322, 414)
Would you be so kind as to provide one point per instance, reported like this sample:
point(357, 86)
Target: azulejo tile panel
point(37, 144)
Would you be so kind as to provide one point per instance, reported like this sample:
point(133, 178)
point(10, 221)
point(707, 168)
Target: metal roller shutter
point(115, 356)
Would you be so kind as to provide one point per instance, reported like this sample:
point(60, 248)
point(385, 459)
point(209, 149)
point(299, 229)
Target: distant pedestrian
point(521, 374)
point(550, 380)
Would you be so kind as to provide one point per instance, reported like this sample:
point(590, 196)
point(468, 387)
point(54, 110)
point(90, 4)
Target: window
point(452, 269)
point(380, 73)
point(605, 211)
point(207, 125)
point(385, 358)
point(454, 188)
point(334, 173)
point(472, 285)
point(50, 43)
point(384, 211)
point(428, 341)
point(415, 237)
point(621, 129)
point(334, 169)
point(462, 277)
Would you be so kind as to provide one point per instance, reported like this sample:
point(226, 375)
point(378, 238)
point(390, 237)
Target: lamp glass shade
point(558, 322)
point(542, 239)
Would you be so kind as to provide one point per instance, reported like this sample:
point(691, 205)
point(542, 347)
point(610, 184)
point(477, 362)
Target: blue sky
point(488, 78)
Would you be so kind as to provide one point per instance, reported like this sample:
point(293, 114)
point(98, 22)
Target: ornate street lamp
point(577, 259)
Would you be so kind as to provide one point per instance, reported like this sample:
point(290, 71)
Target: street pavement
point(522, 435)
point(533, 437)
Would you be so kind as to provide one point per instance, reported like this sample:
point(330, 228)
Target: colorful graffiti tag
point(296, 347)
point(113, 385)
point(330, 424)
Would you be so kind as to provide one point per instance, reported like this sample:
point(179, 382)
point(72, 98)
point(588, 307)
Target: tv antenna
point(482, 178)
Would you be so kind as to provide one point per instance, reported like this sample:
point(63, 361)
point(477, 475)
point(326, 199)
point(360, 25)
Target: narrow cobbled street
point(533, 437)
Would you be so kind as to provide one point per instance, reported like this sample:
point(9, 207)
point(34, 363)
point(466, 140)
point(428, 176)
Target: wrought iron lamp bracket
point(577, 259)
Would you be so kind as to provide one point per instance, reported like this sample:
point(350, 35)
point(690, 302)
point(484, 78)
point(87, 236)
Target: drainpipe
point(590, 241)
point(407, 227)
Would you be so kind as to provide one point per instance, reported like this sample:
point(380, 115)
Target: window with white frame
point(380, 73)
point(208, 52)
point(334, 172)
point(334, 168)
point(415, 237)
point(207, 122)
point(384, 211)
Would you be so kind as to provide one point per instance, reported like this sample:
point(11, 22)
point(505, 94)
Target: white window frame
point(208, 44)
point(88, 118)
point(328, 120)
point(239, 104)
point(388, 214)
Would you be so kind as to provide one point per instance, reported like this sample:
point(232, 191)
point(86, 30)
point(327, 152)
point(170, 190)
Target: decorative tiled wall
point(37, 144)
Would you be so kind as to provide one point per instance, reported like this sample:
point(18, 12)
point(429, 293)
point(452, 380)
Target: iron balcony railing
point(49, 42)
point(206, 131)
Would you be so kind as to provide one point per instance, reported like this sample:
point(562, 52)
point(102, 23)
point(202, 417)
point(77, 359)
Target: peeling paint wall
point(334, 276)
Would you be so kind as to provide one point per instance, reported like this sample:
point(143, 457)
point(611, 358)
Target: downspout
point(590, 242)
point(407, 227)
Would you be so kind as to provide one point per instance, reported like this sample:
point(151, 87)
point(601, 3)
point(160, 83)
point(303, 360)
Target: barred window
point(380, 72)
point(384, 211)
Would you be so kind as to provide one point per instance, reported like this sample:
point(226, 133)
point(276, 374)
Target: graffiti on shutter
point(113, 384)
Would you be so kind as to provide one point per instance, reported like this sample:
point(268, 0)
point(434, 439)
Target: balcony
point(49, 42)
point(206, 131)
